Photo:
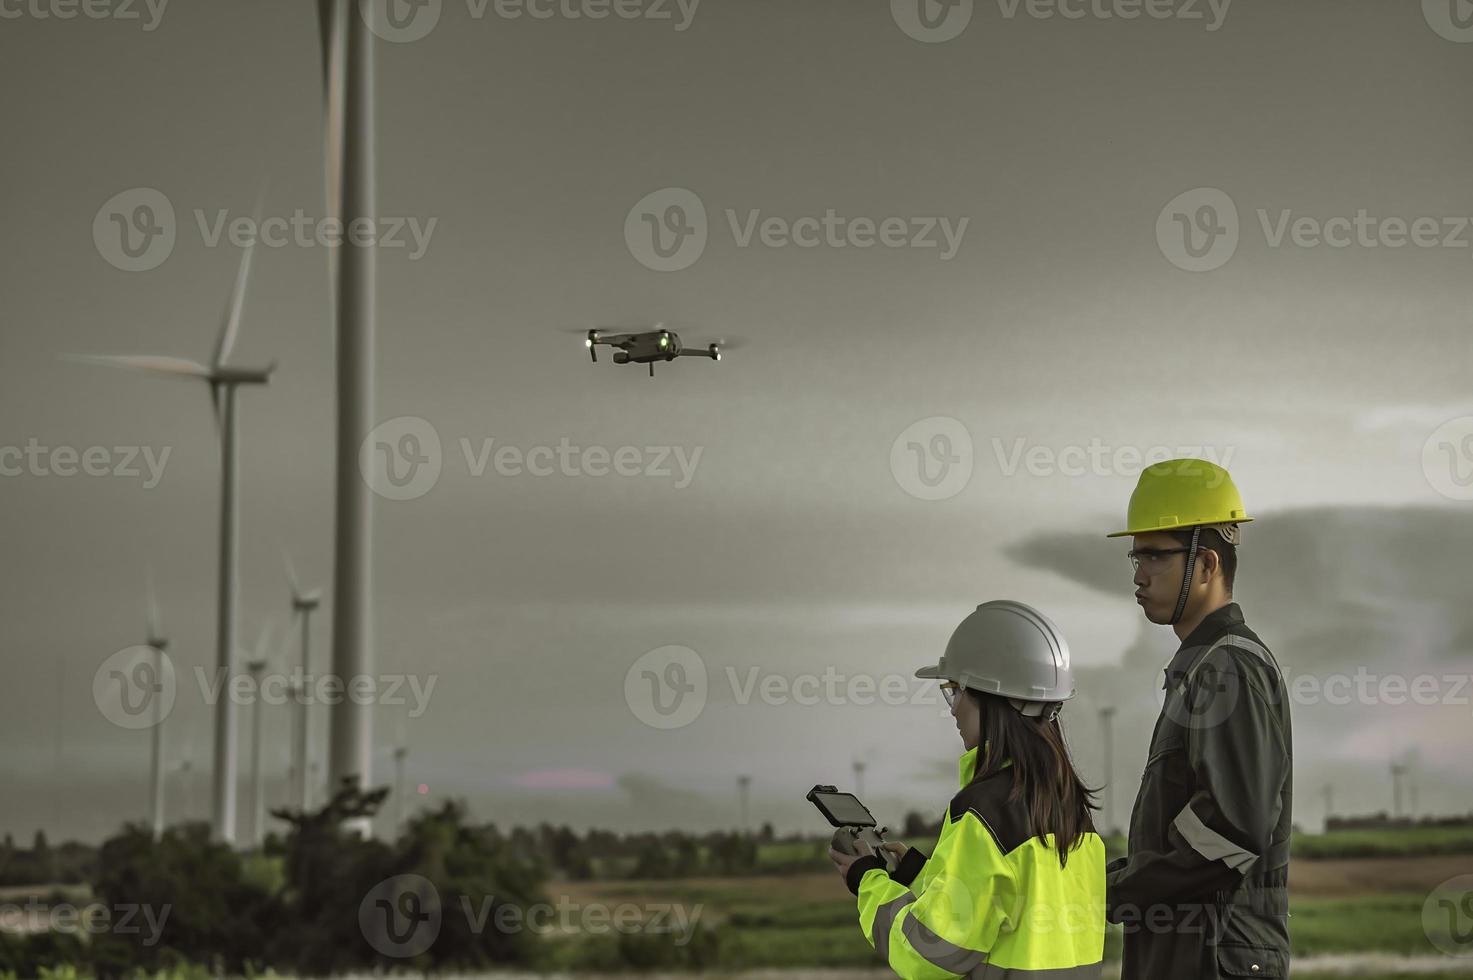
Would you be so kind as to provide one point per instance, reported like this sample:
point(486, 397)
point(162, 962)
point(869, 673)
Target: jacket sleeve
point(947, 929)
point(1239, 762)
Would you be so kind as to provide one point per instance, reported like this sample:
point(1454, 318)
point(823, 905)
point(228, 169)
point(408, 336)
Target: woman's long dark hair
point(1044, 776)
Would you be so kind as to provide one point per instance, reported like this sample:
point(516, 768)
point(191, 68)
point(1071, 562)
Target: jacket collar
point(967, 766)
point(1216, 623)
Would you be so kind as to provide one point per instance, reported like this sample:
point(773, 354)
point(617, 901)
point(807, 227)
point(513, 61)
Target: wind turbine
point(1398, 770)
point(223, 380)
point(257, 666)
point(401, 752)
point(347, 76)
point(184, 770)
point(303, 605)
point(158, 644)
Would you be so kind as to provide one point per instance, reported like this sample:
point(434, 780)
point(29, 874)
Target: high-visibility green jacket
point(992, 901)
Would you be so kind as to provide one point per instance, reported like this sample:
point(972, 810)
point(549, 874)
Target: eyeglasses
point(949, 691)
point(1154, 560)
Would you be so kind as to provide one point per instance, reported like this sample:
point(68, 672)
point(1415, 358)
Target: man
point(1202, 892)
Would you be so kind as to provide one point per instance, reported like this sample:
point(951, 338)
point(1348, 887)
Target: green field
point(786, 856)
point(758, 922)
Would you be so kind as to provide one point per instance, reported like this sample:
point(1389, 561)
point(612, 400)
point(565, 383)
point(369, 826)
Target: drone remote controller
point(853, 821)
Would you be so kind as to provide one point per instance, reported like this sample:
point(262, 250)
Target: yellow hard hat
point(1183, 493)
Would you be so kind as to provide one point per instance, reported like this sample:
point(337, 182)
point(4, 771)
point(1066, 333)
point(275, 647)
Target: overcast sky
point(1034, 312)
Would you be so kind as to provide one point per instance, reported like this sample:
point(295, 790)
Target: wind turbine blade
point(263, 641)
point(176, 366)
point(153, 609)
point(230, 323)
point(328, 20)
point(291, 575)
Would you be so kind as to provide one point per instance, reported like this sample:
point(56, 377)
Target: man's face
point(1162, 562)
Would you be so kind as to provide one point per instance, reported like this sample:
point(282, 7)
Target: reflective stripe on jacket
point(992, 901)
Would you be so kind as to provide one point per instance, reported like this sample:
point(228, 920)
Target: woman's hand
point(896, 848)
point(842, 860)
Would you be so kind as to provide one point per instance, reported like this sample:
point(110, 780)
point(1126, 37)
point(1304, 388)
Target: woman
point(1016, 887)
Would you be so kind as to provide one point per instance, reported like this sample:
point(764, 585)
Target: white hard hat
point(1011, 650)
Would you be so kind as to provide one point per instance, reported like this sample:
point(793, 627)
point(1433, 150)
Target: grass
point(764, 923)
point(785, 856)
point(1384, 843)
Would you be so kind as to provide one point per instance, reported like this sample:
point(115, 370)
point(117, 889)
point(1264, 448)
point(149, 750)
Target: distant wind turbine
point(223, 379)
point(184, 770)
point(158, 644)
point(401, 752)
point(303, 605)
point(257, 666)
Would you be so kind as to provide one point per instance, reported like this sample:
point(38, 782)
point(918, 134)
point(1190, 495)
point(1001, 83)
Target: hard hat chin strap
point(1186, 579)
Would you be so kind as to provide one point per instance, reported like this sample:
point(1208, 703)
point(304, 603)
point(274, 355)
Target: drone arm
point(712, 352)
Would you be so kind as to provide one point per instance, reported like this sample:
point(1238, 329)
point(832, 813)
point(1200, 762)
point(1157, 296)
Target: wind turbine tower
point(223, 379)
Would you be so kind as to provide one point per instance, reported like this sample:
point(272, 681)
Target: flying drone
point(648, 346)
